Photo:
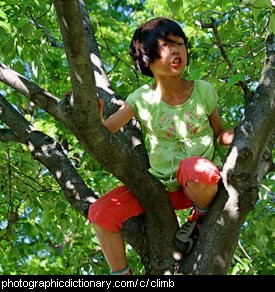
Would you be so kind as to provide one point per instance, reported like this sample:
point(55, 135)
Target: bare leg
point(201, 194)
point(113, 247)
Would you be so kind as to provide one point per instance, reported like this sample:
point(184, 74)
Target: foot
point(187, 235)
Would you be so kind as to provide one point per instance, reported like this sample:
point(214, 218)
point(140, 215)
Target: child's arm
point(118, 119)
point(224, 137)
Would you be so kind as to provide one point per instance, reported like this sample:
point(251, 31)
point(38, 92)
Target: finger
point(101, 104)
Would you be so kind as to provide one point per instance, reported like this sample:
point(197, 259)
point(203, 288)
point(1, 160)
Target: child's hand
point(225, 138)
point(100, 109)
point(118, 119)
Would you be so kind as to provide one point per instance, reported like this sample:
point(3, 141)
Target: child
point(179, 120)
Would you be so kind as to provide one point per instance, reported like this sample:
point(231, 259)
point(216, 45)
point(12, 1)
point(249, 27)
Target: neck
point(170, 87)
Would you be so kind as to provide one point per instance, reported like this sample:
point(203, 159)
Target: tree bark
point(35, 93)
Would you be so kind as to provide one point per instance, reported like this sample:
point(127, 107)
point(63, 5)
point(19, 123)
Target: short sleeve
point(210, 98)
point(139, 100)
point(132, 100)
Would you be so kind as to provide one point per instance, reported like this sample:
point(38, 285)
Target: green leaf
point(235, 79)
point(258, 3)
point(271, 27)
point(174, 5)
point(15, 252)
point(5, 26)
point(2, 232)
point(3, 15)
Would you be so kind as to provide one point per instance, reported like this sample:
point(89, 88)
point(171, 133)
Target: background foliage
point(39, 232)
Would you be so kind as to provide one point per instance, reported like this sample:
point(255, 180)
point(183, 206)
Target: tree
point(248, 160)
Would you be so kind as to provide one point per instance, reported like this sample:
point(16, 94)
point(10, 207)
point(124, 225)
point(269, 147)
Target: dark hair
point(144, 47)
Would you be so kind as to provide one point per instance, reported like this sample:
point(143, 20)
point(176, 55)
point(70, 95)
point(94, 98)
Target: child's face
point(173, 57)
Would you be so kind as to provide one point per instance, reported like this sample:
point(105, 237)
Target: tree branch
point(131, 131)
point(49, 152)
point(73, 34)
point(7, 135)
point(36, 94)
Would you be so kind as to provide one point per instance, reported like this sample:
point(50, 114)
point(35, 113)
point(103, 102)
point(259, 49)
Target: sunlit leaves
point(255, 254)
point(175, 5)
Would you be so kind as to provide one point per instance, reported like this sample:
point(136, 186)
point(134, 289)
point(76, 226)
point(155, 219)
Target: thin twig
point(219, 43)
point(243, 250)
point(10, 216)
point(47, 11)
point(117, 57)
point(121, 60)
point(42, 190)
point(52, 40)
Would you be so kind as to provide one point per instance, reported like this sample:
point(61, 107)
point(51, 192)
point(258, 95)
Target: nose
point(174, 49)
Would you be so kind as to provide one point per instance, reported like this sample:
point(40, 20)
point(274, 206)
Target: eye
point(180, 44)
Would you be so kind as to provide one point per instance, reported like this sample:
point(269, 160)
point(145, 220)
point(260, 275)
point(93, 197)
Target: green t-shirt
point(172, 133)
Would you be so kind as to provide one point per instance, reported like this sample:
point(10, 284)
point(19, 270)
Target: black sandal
point(187, 236)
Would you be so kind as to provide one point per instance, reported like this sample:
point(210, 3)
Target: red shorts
point(118, 205)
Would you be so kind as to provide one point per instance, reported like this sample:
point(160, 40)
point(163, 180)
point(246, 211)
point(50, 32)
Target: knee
point(209, 190)
point(201, 194)
point(212, 190)
point(198, 169)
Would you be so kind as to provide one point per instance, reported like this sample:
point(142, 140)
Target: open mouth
point(176, 62)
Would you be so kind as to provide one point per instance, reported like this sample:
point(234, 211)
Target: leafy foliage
point(39, 232)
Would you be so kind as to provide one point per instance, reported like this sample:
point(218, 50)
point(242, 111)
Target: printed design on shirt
point(193, 121)
point(167, 124)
